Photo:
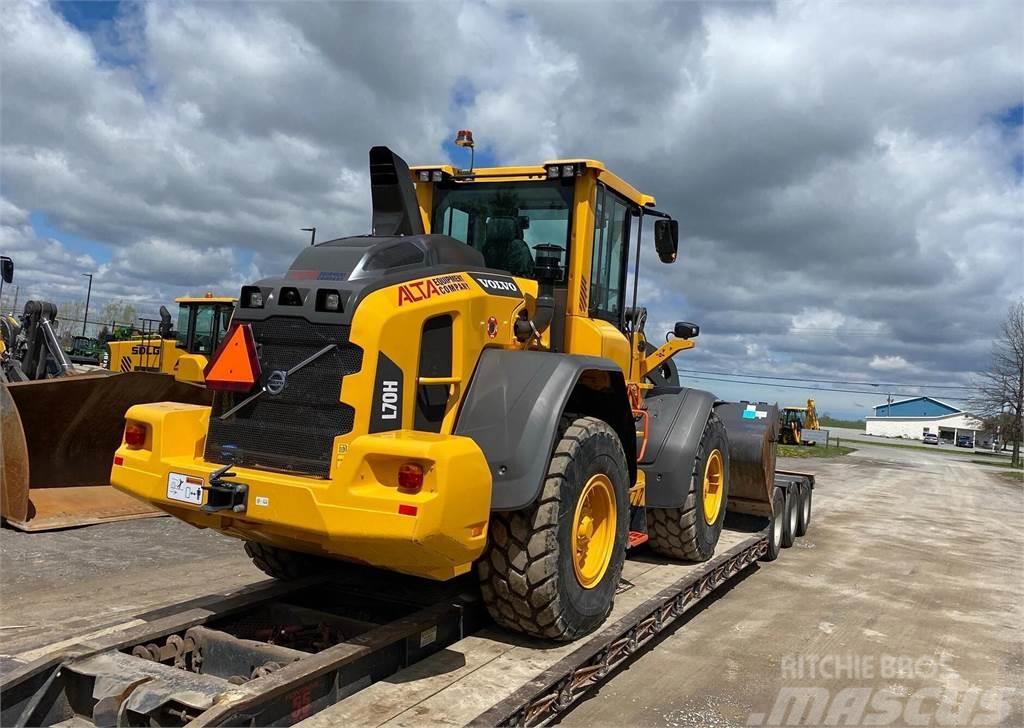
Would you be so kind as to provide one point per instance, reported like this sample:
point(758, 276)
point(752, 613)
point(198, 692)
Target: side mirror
point(686, 330)
point(666, 239)
point(6, 269)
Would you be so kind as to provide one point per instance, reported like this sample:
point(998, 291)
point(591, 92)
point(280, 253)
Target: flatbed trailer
point(368, 649)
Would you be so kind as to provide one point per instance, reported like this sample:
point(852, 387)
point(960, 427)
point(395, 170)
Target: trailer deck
point(370, 649)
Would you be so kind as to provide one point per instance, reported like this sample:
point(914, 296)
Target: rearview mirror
point(6, 269)
point(666, 239)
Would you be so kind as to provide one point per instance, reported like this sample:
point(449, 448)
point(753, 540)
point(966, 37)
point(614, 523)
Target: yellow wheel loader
point(60, 424)
point(182, 352)
point(466, 386)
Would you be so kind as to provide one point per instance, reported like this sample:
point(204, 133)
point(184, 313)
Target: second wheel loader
point(468, 385)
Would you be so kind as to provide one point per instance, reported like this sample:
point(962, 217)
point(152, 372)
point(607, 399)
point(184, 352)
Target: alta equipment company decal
point(439, 286)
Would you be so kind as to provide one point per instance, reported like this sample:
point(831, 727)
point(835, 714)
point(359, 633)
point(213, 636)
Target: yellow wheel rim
point(713, 481)
point(593, 531)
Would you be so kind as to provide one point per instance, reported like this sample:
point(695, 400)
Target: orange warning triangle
point(235, 366)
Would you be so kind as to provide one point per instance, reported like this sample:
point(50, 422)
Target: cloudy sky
point(847, 175)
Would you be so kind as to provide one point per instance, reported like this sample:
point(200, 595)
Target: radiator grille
point(292, 431)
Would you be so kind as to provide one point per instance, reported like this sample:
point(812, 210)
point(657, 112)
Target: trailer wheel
point(775, 525)
point(551, 570)
point(791, 516)
point(691, 531)
point(282, 563)
point(804, 516)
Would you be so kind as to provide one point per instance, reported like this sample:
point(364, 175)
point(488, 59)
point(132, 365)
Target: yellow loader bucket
point(57, 443)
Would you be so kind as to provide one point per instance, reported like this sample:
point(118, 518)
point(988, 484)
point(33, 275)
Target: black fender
point(513, 406)
point(678, 416)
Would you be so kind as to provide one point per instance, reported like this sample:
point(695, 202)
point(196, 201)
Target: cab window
point(204, 340)
point(608, 265)
point(505, 220)
point(182, 333)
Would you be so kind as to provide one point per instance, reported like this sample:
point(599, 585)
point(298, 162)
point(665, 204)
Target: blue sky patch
point(44, 228)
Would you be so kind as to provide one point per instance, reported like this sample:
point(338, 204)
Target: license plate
point(185, 488)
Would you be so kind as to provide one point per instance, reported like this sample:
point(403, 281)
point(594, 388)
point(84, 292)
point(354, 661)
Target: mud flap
point(57, 442)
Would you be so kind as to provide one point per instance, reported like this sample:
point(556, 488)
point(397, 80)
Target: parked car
point(965, 441)
point(930, 438)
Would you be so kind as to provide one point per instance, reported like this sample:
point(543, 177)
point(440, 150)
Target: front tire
point(551, 570)
point(691, 531)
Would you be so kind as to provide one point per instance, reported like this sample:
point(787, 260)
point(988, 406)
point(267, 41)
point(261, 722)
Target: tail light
point(410, 477)
point(135, 435)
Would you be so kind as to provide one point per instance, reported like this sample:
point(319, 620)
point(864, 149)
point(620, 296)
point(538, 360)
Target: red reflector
point(135, 435)
point(410, 477)
point(118, 460)
point(234, 366)
point(406, 510)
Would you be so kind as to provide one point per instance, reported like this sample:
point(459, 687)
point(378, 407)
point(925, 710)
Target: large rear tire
point(551, 570)
point(691, 531)
point(284, 564)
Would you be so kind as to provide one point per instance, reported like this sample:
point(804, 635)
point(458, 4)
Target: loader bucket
point(752, 429)
point(57, 442)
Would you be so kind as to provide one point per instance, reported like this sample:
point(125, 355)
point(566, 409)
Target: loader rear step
point(377, 649)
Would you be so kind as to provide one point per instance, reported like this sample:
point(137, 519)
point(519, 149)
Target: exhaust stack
point(395, 210)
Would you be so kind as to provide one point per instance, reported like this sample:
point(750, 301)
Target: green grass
point(998, 464)
point(815, 451)
point(826, 421)
point(1012, 477)
point(880, 442)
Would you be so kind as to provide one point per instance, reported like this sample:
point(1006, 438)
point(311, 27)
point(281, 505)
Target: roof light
point(437, 175)
point(568, 170)
point(209, 294)
point(464, 138)
point(424, 175)
point(553, 171)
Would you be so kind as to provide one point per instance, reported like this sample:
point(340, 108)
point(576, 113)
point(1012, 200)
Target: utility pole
point(88, 295)
point(888, 405)
point(312, 235)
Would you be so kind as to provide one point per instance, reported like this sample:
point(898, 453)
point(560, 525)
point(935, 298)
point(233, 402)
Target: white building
point(915, 417)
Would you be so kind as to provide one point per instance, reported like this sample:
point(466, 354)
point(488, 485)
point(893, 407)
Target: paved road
point(912, 559)
point(911, 556)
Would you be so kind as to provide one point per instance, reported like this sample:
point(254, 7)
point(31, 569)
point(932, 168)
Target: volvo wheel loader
point(467, 386)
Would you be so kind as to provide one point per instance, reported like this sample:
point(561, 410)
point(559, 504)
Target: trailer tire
point(775, 525)
point(803, 520)
point(791, 516)
point(685, 533)
point(283, 564)
point(529, 576)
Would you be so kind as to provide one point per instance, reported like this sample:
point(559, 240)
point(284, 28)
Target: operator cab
point(202, 323)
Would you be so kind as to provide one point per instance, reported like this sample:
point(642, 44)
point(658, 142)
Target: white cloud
point(887, 363)
point(845, 192)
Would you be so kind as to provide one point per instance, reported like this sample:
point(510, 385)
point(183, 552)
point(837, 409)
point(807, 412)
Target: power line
point(813, 389)
point(880, 385)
